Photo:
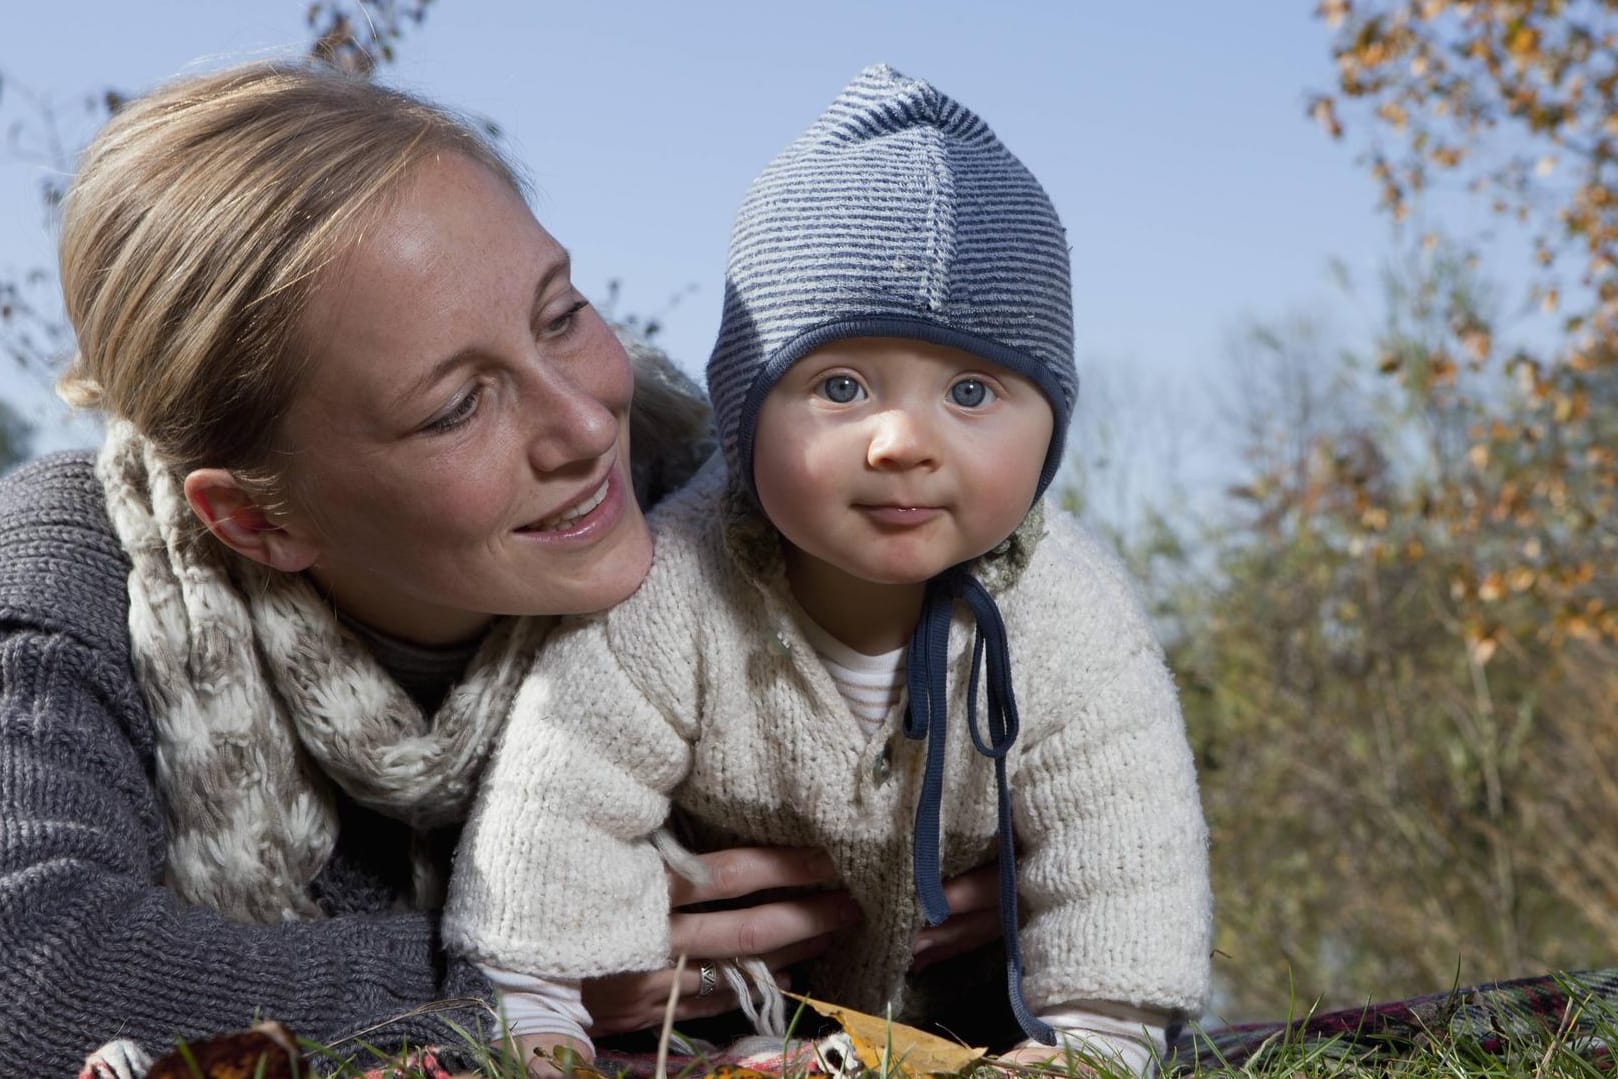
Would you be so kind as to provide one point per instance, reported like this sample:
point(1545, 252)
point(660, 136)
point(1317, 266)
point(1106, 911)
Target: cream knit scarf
point(262, 701)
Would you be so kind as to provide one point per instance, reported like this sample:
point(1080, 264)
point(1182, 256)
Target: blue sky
point(1172, 137)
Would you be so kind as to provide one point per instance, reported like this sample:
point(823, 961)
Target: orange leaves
point(1520, 97)
point(1570, 407)
point(1324, 112)
point(1476, 340)
point(1447, 156)
point(1520, 579)
point(1522, 41)
point(1333, 12)
point(1480, 646)
point(1526, 371)
point(268, 1051)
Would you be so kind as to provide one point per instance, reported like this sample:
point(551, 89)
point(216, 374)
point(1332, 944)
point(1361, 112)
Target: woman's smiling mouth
point(578, 515)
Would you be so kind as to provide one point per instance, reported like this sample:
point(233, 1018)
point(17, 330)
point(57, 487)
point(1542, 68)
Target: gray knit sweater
point(92, 947)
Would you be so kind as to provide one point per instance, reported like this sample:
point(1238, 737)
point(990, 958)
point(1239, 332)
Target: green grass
point(1555, 1057)
point(1580, 1047)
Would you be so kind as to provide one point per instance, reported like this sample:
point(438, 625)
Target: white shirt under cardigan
point(703, 686)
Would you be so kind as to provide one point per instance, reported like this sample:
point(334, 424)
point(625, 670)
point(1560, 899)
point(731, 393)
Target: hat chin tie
point(926, 675)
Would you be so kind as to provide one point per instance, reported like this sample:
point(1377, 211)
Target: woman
point(365, 437)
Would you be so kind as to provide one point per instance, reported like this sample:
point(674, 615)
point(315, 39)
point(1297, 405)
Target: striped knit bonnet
point(898, 213)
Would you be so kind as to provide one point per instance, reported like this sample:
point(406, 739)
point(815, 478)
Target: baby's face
point(892, 459)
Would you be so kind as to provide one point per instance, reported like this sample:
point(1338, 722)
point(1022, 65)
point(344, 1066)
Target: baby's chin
point(906, 572)
point(894, 577)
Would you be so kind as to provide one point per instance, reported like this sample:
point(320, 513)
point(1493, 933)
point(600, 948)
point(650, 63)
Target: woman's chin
point(612, 577)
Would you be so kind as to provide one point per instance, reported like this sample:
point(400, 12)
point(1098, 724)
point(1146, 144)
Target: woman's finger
point(622, 1003)
point(962, 933)
point(976, 889)
point(796, 952)
point(756, 930)
point(974, 903)
point(744, 870)
point(628, 1002)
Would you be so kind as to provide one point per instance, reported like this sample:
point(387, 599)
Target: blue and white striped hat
point(897, 214)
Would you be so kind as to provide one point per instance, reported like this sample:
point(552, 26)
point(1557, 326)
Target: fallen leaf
point(732, 1071)
point(910, 1051)
point(268, 1051)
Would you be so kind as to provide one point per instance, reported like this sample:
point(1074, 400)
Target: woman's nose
point(900, 439)
point(573, 421)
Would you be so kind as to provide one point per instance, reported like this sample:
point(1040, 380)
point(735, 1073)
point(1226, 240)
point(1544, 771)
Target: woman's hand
point(781, 932)
point(974, 920)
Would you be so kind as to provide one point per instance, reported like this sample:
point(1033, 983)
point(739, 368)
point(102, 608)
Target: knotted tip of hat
point(898, 99)
point(883, 79)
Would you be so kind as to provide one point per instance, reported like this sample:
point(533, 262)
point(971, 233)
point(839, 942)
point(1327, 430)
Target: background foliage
point(1399, 648)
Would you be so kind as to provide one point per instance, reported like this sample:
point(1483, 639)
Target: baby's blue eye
point(970, 393)
point(841, 389)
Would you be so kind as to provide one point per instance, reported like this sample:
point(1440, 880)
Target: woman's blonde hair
point(196, 228)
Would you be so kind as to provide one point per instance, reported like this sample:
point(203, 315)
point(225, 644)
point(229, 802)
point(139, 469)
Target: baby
point(863, 630)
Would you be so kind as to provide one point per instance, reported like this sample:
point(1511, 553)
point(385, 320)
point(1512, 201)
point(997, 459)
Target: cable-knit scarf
point(262, 701)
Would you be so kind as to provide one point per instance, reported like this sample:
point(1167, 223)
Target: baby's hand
point(550, 1055)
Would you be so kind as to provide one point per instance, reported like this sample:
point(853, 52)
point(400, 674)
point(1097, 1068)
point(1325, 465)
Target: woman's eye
point(461, 411)
point(971, 393)
point(559, 326)
point(841, 389)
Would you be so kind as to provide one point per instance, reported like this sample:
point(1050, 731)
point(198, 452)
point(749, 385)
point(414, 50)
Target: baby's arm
point(544, 1018)
point(1126, 1037)
point(555, 876)
point(1112, 864)
point(1112, 848)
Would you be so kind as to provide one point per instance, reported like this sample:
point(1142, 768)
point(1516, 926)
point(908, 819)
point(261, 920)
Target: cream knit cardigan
point(702, 688)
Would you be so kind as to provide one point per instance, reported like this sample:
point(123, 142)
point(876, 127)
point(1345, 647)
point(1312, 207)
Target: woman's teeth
point(561, 520)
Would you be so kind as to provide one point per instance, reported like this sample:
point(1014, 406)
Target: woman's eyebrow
point(561, 267)
point(439, 370)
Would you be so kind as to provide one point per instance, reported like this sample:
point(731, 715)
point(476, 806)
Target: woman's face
point(459, 447)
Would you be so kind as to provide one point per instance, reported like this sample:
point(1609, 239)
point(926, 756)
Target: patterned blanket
point(1579, 1010)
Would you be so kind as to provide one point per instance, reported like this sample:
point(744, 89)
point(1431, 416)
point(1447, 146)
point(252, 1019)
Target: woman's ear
point(237, 519)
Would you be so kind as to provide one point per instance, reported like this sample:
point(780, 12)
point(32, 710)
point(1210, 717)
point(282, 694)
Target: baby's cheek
point(1006, 503)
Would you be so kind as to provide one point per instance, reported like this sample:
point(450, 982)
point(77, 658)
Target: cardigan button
point(882, 768)
point(780, 642)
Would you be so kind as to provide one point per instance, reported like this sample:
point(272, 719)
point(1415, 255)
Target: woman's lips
point(572, 513)
point(595, 514)
point(900, 516)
